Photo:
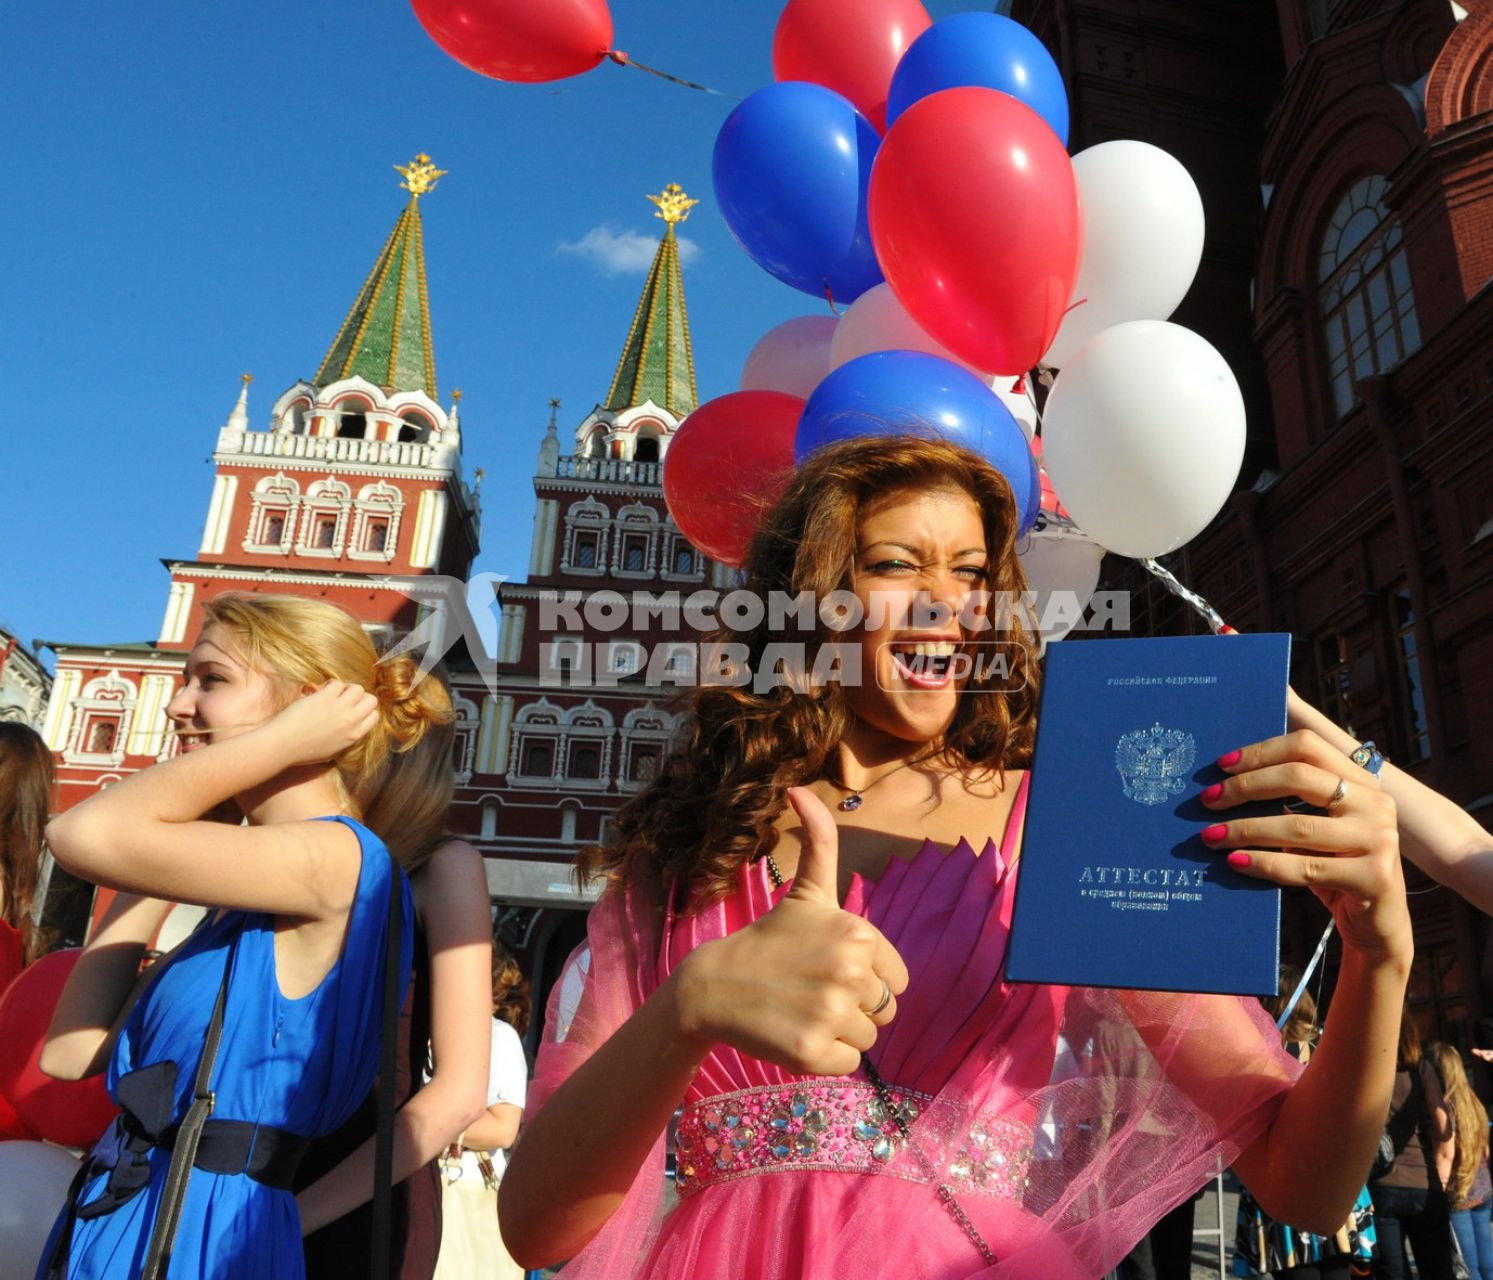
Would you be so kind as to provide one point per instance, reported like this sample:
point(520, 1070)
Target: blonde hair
point(398, 779)
point(1469, 1118)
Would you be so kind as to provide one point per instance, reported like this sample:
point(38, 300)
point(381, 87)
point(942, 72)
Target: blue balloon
point(1033, 503)
point(791, 167)
point(891, 393)
point(987, 50)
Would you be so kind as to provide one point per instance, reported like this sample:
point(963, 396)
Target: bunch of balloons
point(39, 1116)
point(70, 1113)
point(36, 1178)
point(917, 174)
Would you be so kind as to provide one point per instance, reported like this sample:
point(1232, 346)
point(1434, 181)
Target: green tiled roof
point(657, 363)
point(386, 336)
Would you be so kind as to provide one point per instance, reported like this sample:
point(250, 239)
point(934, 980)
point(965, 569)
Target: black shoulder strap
point(189, 1133)
point(383, 1152)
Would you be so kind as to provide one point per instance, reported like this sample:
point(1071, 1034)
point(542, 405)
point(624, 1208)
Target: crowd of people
point(796, 967)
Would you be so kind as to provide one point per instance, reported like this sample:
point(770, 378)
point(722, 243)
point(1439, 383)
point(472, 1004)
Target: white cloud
point(616, 253)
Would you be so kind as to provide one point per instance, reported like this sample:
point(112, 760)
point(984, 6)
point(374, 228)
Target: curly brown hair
point(510, 989)
point(714, 801)
point(25, 800)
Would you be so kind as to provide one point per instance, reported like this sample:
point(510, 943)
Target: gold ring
point(1339, 795)
point(886, 999)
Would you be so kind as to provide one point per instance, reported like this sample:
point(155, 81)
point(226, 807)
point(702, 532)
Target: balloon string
point(626, 60)
point(1077, 302)
point(1285, 1014)
point(1209, 614)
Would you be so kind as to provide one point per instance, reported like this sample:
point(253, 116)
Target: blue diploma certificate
point(1116, 888)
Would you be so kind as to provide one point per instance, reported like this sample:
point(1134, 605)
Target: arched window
point(272, 515)
point(352, 418)
point(647, 449)
point(1368, 305)
point(597, 445)
point(413, 429)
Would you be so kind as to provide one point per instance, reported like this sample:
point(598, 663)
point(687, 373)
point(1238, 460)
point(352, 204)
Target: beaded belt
point(842, 1126)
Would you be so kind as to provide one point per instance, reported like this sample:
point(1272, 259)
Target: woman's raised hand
point(806, 986)
point(1348, 856)
point(319, 726)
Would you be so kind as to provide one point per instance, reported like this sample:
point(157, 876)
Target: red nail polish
point(1238, 858)
point(1227, 630)
point(1212, 793)
point(1229, 760)
point(1215, 833)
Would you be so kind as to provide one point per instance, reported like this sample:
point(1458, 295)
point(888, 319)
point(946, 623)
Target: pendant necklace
point(849, 804)
point(852, 802)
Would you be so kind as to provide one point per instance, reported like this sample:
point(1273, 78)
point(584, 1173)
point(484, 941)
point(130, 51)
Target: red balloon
point(727, 464)
point(523, 40)
point(976, 223)
point(71, 1113)
point(11, 1124)
point(850, 46)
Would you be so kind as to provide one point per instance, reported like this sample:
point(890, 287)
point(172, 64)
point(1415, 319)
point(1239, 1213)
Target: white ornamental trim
point(352, 580)
point(448, 475)
point(597, 486)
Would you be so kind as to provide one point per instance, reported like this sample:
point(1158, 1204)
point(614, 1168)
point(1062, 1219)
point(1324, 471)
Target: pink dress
point(1063, 1120)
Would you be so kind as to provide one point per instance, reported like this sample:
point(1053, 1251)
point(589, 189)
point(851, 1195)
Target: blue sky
point(197, 190)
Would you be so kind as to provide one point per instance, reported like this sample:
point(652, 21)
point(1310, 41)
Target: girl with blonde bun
point(289, 722)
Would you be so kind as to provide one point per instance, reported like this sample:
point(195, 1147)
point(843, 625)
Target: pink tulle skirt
point(1059, 1122)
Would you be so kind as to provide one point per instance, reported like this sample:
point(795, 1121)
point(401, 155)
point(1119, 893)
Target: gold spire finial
point(456, 395)
point(420, 176)
point(247, 378)
point(673, 204)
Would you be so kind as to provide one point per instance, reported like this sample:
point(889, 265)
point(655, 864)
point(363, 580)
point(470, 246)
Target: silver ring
point(886, 999)
point(1339, 795)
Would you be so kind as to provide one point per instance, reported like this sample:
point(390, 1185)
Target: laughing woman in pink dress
point(802, 944)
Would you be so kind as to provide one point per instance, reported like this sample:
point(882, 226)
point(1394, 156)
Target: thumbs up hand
point(806, 986)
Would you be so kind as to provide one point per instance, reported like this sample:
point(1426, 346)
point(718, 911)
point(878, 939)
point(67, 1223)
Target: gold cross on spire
point(673, 204)
point(420, 176)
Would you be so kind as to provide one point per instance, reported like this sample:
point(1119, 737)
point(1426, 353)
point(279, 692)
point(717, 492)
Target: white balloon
point(1142, 241)
point(1143, 434)
point(36, 1177)
point(1062, 567)
point(876, 321)
point(792, 357)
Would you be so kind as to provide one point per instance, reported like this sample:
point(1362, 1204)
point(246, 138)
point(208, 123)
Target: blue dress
point(298, 1065)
